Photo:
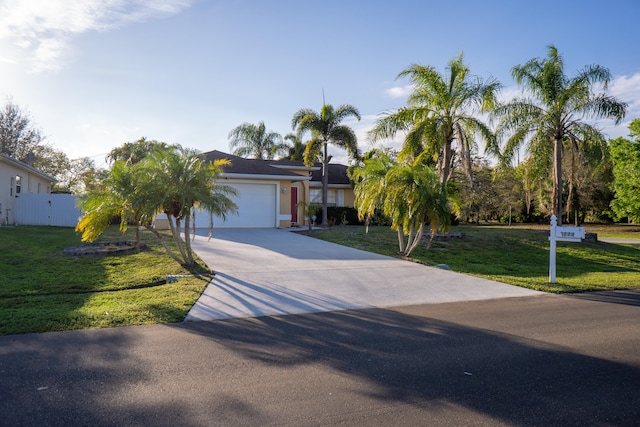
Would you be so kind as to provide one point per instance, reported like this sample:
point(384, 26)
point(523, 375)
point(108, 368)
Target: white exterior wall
point(30, 183)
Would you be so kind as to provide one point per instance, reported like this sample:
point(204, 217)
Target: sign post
point(560, 234)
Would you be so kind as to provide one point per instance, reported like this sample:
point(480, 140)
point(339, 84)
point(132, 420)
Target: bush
point(339, 216)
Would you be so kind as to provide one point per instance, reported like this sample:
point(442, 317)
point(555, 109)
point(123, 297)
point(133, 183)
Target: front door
point(294, 204)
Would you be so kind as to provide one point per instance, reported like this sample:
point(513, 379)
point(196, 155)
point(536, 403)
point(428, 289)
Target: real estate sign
point(560, 234)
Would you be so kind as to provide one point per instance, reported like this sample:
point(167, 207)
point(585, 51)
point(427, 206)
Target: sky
point(94, 74)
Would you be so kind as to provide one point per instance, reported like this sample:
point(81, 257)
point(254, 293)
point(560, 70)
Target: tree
point(438, 112)
point(296, 149)
point(325, 129)
point(18, 135)
point(369, 178)
point(134, 152)
point(410, 194)
point(73, 176)
point(53, 162)
point(171, 180)
point(555, 112)
point(118, 196)
point(589, 153)
point(625, 155)
point(249, 140)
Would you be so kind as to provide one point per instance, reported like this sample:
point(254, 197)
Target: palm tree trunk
point(570, 204)
point(417, 238)
point(175, 232)
point(445, 166)
point(557, 179)
point(164, 244)
point(325, 185)
point(401, 238)
point(187, 240)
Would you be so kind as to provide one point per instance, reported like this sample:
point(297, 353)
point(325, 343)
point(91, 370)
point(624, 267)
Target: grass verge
point(516, 255)
point(42, 289)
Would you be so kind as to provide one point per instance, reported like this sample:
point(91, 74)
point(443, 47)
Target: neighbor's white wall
point(29, 185)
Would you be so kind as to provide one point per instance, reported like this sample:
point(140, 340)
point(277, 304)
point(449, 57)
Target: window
point(334, 197)
point(18, 184)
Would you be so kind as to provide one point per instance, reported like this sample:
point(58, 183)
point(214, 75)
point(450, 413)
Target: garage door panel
point(256, 208)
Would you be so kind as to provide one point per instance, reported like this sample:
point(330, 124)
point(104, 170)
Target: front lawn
point(518, 255)
point(42, 289)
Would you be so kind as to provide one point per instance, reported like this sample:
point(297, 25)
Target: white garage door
point(256, 208)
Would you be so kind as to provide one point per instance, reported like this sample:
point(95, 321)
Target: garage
point(256, 207)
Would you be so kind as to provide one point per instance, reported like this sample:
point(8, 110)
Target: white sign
point(569, 234)
point(561, 234)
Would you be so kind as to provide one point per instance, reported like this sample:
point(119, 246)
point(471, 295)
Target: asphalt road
point(543, 360)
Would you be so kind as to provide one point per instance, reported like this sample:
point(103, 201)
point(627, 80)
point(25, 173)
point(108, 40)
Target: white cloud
point(399, 91)
point(45, 28)
point(627, 89)
point(7, 60)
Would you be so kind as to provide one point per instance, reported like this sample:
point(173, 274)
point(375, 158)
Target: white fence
point(47, 209)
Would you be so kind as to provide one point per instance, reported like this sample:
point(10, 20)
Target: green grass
point(42, 289)
point(516, 255)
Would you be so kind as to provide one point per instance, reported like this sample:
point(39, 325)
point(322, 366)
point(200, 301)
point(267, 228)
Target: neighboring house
point(18, 178)
point(270, 191)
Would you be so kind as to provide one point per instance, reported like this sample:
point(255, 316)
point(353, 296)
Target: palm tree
point(325, 129)
point(554, 112)
point(170, 180)
point(409, 193)
point(133, 152)
point(178, 181)
point(369, 178)
point(296, 149)
point(249, 140)
point(117, 196)
point(438, 112)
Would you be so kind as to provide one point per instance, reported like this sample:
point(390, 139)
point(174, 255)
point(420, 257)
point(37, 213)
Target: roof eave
point(265, 177)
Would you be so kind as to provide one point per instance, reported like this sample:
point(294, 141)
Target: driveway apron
point(264, 272)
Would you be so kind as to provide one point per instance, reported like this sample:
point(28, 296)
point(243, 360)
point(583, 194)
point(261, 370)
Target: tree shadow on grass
point(430, 364)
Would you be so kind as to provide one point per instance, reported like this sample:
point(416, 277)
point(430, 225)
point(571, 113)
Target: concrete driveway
point(263, 272)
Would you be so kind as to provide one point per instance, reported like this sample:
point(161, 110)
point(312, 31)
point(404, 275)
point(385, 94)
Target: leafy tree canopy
point(625, 155)
point(18, 135)
point(249, 140)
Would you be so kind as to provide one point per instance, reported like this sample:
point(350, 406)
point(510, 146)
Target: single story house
point(269, 191)
point(18, 178)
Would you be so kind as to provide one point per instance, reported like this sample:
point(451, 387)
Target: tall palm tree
point(249, 140)
point(554, 112)
point(325, 129)
point(440, 111)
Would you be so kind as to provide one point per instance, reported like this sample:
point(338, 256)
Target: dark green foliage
point(339, 216)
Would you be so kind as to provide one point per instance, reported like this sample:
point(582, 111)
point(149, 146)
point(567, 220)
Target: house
point(18, 178)
point(270, 191)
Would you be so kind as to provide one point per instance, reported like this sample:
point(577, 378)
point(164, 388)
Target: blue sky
point(94, 74)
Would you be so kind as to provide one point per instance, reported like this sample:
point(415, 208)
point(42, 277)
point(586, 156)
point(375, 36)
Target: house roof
point(281, 168)
point(26, 167)
point(337, 175)
point(252, 168)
